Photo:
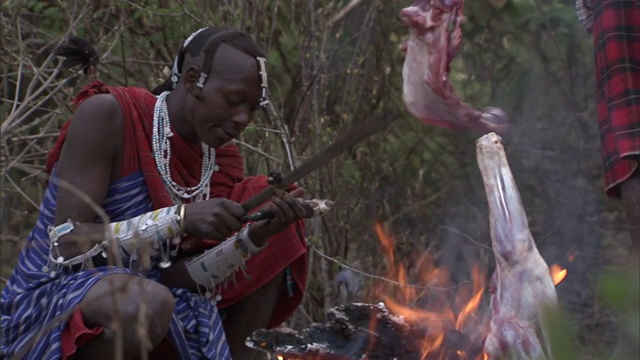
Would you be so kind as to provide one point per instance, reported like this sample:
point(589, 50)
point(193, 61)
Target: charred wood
point(361, 331)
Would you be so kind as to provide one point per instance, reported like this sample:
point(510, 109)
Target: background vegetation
point(332, 64)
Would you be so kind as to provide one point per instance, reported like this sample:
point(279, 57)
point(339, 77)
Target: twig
point(270, 130)
point(253, 148)
point(32, 93)
point(33, 137)
point(151, 11)
point(344, 11)
point(22, 193)
point(273, 115)
point(393, 282)
point(189, 14)
point(10, 238)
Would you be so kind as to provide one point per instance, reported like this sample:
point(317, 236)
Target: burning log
point(521, 287)
point(361, 331)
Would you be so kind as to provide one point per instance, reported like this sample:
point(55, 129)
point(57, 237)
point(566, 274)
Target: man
point(615, 25)
point(160, 180)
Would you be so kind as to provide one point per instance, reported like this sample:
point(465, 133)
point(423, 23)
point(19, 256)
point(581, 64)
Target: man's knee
point(147, 299)
point(130, 303)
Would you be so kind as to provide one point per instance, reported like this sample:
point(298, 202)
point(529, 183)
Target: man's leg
point(630, 190)
point(125, 305)
point(250, 314)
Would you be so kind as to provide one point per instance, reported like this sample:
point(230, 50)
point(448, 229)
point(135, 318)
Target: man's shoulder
point(132, 94)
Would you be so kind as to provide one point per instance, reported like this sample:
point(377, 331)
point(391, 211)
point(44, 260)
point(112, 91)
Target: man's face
point(230, 96)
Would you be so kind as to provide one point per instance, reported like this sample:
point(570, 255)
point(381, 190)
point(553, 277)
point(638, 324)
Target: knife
point(353, 136)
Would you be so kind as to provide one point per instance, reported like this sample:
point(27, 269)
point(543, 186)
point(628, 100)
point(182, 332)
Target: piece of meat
point(434, 39)
point(521, 287)
point(584, 10)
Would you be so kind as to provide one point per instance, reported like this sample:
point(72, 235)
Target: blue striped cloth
point(35, 306)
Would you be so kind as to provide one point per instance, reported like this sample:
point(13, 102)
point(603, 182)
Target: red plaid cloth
point(288, 248)
point(616, 37)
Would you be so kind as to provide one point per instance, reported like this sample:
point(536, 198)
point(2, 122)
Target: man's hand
point(216, 219)
point(287, 210)
point(213, 219)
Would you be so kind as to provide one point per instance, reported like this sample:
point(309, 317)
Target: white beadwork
point(162, 156)
point(158, 228)
point(218, 264)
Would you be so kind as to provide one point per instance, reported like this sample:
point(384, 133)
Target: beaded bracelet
point(181, 214)
point(156, 228)
point(221, 262)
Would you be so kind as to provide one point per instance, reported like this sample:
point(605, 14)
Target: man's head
point(217, 85)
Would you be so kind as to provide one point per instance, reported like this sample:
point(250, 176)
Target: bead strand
point(162, 155)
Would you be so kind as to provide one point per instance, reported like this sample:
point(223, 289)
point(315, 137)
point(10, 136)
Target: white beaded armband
point(220, 262)
point(55, 232)
point(155, 228)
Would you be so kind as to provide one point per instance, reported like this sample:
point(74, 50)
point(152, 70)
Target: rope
point(393, 282)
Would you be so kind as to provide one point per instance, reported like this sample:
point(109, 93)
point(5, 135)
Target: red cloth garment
point(76, 334)
point(287, 248)
point(616, 37)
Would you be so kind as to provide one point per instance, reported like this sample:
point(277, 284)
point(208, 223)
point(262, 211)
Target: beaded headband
point(175, 72)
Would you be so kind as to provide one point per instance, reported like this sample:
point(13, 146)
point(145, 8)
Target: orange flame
point(571, 254)
point(387, 246)
point(372, 327)
point(557, 273)
point(478, 290)
point(442, 307)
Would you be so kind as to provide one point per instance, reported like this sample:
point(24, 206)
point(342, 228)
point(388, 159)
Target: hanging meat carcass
point(434, 38)
point(521, 287)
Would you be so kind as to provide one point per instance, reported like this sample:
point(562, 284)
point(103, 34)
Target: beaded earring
point(175, 72)
point(264, 100)
point(201, 79)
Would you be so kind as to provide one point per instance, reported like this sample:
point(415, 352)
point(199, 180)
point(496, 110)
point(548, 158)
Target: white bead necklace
point(162, 156)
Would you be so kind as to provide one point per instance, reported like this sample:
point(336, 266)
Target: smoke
point(554, 153)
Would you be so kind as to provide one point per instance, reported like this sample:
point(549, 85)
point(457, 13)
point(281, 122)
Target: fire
point(557, 273)
point(434, 302)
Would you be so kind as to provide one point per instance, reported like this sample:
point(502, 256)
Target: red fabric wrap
point(287, 248)
point(616, 37)
point(76, 334)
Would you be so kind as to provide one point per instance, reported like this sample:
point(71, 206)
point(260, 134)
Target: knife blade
point(353, 136)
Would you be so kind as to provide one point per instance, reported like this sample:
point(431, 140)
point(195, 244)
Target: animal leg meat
point(522, 288)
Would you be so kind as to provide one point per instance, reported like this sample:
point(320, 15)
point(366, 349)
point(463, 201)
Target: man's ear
point(190, 78)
